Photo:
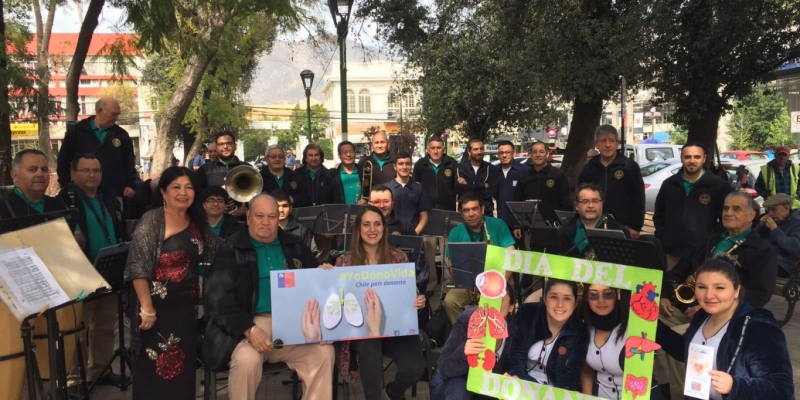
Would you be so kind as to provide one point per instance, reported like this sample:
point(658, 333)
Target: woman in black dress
point(169, 245)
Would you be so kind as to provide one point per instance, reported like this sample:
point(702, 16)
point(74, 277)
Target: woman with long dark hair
point(606, 316)
point(548, 344)
point(751, 359)
point(370, 246)
point(170, 245)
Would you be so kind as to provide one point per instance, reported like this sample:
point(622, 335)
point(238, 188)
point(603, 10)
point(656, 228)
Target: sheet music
point(27, 284)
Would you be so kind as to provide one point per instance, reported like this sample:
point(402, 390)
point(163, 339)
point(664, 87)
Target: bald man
point(238, 302)
point(380, 162)
point(100, 136)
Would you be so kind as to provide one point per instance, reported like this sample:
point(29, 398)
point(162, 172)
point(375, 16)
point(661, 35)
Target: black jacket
point(380, 175)
point(683, 222)
point(484, 183)
point(115, 155)
point(550, 185)
point(290, 184)
point(213, 173)
point(230, 226)
point(563, 367)
point(756, 256)
point(13, 206)
point(231, 292)
point(396, 226)
point(73, 201)
point(623, 187)
point(338, 187)
point(762, 368)
point(453, 362)
point(566, 234)
point(313, 192)
point(441, 187)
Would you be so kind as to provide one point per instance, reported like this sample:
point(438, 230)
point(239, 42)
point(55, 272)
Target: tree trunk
point(43, 30)
point(5, 121)
point(79, 57)
point(703, 129)
point(170, 127)
point(585, 119)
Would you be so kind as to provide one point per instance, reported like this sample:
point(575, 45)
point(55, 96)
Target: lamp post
point(653, 114)
point(340, 11)
point(308, 79)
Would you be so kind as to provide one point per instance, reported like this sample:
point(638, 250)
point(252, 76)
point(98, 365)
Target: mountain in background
point(277, 79)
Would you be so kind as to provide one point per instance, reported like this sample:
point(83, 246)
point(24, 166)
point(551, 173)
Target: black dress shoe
point(110, 379)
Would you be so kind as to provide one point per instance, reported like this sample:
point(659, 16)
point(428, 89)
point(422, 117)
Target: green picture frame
point(645, 287)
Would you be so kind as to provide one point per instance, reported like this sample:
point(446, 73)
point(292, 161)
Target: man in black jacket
point(378, 167)
point(315, 186)
point(589, 207)
point(276, 176)
point(437, 173)
point(620, 178)
point(475, 175)
point(237, 300)
point(213, 173)
point(346, 177)
point(101, 136)
point(100, 220)
point(214, 199)
point(543, 182)
point(688, 206)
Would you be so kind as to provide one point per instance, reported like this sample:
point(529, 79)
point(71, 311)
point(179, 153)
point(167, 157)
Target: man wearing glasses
point(213, 173)
point(381, 196)
point(589, 205)
point(214, 200)
point(277, 176)
point(508, 175)
point(346, 176)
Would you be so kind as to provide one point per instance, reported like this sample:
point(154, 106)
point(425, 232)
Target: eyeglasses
point(586, 202)
point(607, 295)
point(347, 153)
point(215, 201)
point(504, 153)
point(226, 144)
point(90, 171)
point(380, 202)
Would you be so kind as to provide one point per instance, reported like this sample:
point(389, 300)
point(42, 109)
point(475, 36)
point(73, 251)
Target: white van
point(645, 153)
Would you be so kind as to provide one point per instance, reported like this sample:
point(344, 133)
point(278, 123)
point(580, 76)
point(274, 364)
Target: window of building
point(351, 101)
point(364, 101)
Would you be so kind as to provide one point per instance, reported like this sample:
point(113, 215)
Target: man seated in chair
point(781, 228)
point(237, 300)
point(476, 228)
point(589, 207)
point(381, 196)
point(288, 224)
point(214, 200)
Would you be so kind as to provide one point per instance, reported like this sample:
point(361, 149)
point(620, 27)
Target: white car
point(654, 174)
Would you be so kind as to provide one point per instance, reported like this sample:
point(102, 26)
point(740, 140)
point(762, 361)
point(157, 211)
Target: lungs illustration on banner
point(332, 314)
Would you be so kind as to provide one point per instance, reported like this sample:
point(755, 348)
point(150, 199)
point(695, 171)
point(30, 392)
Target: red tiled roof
point(63, 44)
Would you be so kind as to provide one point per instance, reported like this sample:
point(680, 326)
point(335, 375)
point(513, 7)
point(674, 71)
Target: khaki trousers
point(666, 368)
point(97, 340)
point(312, 362)
point(456, 301)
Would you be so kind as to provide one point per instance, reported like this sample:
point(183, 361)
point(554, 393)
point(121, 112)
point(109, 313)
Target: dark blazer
point(231, 292)
point(452, 361)
point(566, 234)
point(484, 183)
point(623, 188)
point(757, 258)
point(313, 192)
point(563, 370)
point(761, 370)
point(73, 201)
point(290, 185)
point(550, 185)
point(439, 187)
point(115, 155)
point(683, 222)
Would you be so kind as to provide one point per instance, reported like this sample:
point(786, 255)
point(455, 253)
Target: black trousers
point(406, 351)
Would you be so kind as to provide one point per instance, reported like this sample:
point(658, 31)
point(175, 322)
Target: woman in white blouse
point(606, 316)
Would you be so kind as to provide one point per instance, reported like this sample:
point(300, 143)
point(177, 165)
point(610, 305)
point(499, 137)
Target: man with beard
point(314, 183)
point(688, 206)
point(475, 176)
point(589, 207)
point(277, 176)
point(543, 182)
point(346, 176)
point(380, 163)
point(437, 173)
point(620, 178)
point(477, 228)
point(213, 173)
point(779, 176)
point(781, 228)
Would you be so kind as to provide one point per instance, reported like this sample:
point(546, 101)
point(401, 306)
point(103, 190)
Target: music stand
point(332, 220)
point(549, 215)
point(411, 245)
point(352, 212)
point(524, 212)
point(441, 222)
point(545, 240)
point(466, 262)
point(307, 216)
point(563, 216)
point(625, 251)
point(605, 233)
point(110, 263)
point(27, 221)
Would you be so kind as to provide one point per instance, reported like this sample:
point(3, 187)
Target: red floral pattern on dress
point(172, 266)
point(169, 363)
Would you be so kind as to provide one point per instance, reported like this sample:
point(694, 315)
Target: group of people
point(190, 249)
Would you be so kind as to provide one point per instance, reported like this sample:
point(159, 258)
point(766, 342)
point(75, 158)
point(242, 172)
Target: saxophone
point(488, 238)
point(684, 293)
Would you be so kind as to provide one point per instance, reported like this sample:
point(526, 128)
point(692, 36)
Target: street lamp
point(653, 114)
point(340, 11)
point(308, 80)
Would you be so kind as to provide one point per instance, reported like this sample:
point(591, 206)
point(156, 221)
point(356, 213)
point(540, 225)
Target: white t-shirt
point(538, 355)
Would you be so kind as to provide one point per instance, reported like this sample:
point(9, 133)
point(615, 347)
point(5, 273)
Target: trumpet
point(684, 293)
point(366, 180)
point(242, 184)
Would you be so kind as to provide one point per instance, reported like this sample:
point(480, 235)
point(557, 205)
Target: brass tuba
point(684, 293)
point(242, 184)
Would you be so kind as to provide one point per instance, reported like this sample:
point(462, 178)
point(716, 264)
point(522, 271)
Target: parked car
point(646, 153)
point(654, 174)
point(743, 155)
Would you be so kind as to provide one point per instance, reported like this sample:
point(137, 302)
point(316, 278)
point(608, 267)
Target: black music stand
point(626, 251)
point(307, 216)
point(441, 222)
point(110, 263)
point(466, 262)
point(15, 224)
point(331, 220)
point(563, 216)
point(352, 212)
point(411, 245)
point(525, 212)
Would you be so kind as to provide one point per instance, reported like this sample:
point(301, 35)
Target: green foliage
point(287, 140)
point(678, 135)
point(327, 147)
point(255, 142)
point(320, 120)
point(128, 102)
point(18, 73)
point(760, 120)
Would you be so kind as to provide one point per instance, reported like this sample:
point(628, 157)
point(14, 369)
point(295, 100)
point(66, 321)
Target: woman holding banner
point(750, 356)
point(549, 343)
point(370, 246)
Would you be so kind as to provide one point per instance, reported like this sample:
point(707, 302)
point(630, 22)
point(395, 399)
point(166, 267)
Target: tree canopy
point(760, 120)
